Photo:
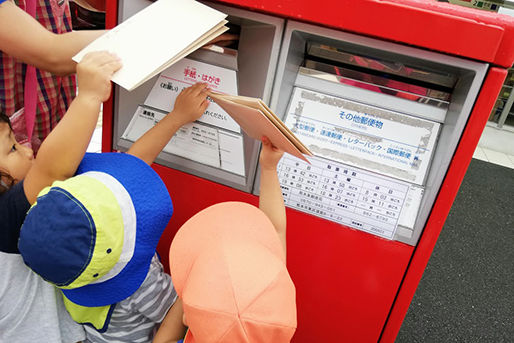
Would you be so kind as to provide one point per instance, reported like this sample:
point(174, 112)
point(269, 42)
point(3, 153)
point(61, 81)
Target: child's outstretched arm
point(64, 148)
point(172, 328)
point(271, 201)
point(191, 103)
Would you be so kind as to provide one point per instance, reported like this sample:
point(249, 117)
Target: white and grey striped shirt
point(136, 318)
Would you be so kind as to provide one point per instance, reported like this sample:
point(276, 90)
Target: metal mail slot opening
point(209, 148)
point(383, 121)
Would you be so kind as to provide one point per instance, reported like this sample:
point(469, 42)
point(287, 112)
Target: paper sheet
point(151, 39)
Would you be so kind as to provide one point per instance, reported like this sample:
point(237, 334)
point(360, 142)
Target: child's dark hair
point(5, 119)
point(6, 180)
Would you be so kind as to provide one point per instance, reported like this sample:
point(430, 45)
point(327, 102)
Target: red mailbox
point(411, 84)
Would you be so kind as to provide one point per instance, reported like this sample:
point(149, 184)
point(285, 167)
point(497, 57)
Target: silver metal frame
point(258, 53)
point(506, 109)
point(470, 76)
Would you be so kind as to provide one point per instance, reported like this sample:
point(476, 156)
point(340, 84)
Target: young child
point(29, 307)
point(94, 235)
point(229, 269)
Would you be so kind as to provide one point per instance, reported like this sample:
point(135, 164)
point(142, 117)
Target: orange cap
point(229, 269)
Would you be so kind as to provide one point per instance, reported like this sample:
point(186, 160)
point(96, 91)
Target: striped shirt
point(136, 318)
point(55, 93)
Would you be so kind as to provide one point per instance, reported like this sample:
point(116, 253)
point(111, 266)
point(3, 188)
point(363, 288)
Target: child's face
point(15, 159)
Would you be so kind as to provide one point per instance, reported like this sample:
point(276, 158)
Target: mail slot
point(383, 121)
point(390, 96)
point(214, 147)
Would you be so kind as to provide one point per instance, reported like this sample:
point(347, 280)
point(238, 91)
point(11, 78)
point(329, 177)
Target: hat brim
point(146, 189)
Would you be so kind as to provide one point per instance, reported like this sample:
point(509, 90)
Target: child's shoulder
point(155, 295)
point(156, 276)
point(156, 283)
point(13, 209)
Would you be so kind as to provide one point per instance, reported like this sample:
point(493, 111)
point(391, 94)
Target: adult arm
point(64, 148)
point(22, 37)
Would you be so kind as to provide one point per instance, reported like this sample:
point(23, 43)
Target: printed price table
point(347, 195)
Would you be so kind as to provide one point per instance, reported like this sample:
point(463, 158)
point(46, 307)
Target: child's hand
point(94, 74)
point(191, 103)
point(270, 155)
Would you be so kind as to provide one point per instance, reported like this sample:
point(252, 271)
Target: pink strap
point(30, 84)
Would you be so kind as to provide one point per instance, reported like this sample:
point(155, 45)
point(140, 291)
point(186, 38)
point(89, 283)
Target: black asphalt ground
point(467, 291)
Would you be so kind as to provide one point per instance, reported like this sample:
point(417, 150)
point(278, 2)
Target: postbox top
point(456, 30)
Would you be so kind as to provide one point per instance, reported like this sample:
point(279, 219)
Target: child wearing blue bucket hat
point(94, 235)
point(30, 308)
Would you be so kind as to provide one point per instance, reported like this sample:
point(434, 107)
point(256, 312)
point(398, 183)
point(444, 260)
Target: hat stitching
point(242, 319)
point(228, 330)
point(214, 311)
point(91, 227)
point(270, 324)
point(237, 307)
point(272, 283)
point(245, 319)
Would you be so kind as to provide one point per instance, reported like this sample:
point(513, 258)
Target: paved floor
point(466, 293)
point(496, 146)
point(467, 290)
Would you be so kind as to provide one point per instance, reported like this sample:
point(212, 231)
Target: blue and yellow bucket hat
point(94, 235)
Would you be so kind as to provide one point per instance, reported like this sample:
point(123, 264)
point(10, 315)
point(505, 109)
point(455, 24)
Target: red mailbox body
point(353, 286)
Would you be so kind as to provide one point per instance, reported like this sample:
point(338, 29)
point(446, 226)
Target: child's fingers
point(267, 142)
point(198, 88)
point(99, 57)
point(200, 96)
point(206, 90)
point(106, 64)
point(204, 105)
point(108, 58)
point(112, 66)
point(91, 56)
point(269, 145)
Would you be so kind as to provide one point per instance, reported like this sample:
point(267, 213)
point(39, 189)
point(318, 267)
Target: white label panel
point(344, 194)
point(231, 152)
point(386, 142)
point(195, 141)
point(187, 72)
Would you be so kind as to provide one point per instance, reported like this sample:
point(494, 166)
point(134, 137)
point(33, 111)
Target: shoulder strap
point(30, 92)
